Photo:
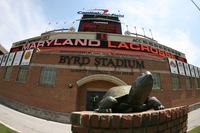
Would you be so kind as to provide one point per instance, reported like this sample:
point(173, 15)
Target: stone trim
point(89, 68)
point(93, 68)
point(104, 77)
point(100, 55)
point(35, 111)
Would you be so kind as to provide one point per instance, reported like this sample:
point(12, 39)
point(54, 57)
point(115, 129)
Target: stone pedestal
point(171, 120)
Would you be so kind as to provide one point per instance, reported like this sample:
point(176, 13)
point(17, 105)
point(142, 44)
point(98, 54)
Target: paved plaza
point(28, 124)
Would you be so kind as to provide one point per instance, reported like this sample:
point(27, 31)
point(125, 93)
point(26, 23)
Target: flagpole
point(135, 30)
point(195, 5)
point(151, 33)
point(143, 31)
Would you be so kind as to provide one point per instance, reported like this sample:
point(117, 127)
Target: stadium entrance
point(93, 98)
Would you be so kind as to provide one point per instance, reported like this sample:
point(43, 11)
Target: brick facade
point(67, 95)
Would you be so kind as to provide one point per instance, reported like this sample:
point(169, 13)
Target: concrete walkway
point(193, 119)
point(28, 124)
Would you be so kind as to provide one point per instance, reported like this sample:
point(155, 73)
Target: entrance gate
point(93, 98)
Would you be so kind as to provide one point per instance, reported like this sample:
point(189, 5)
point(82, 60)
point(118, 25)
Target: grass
point(4, 129)
point(195, 130)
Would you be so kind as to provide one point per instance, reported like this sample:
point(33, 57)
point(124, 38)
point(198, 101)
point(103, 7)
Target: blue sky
point(175, 23)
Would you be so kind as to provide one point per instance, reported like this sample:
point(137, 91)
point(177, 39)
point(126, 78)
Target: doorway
point(93, 98)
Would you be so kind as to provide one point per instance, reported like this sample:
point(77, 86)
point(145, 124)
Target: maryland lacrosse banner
point(187, 69)
point(1, 57)
point(10, 59)
point(4, 60)
point(196, 72)
point(27, 57)
point(199, 71)
point(18, 58)
point(173, 66)
point(181, 68)
point(192, 70)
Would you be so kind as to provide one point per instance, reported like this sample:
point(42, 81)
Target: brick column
point(171, 120)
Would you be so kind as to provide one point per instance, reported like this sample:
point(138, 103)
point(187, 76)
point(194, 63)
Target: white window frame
point(7, 73)
point(156, 81)
point(175, 82)
point(22, 74)
point(48, 76)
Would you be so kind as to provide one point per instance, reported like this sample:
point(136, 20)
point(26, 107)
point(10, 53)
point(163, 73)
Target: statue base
point(168, 120)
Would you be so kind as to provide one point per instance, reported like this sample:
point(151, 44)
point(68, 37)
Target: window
point(175, 81)
point(196, 83)
point(48, 76)
point(22, 74)
point(150, 43)
point(188, 83)
point(160, 46)
point(156, 81)
point(7, 74)
point(155, 45)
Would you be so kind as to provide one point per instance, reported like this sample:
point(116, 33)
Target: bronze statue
point(127, 99)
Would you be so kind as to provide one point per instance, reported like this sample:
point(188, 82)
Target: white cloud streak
point(181, 41)
point(159, 15)
point(19, 20)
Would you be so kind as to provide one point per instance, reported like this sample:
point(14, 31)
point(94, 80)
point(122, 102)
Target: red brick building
point(70, 71)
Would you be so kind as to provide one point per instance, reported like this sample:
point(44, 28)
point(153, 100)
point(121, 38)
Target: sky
point(174, 23)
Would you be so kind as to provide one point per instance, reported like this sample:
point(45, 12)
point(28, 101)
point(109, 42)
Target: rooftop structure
point(2, 50)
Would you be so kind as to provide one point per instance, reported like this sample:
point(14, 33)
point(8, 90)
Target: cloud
point(19, 20)
point(166, 18)
point(181, 41)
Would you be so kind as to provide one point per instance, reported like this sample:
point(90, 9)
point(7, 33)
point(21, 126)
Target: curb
point(10, 127)
point(194, 106)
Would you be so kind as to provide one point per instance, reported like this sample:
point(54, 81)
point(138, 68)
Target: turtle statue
point(127, 99)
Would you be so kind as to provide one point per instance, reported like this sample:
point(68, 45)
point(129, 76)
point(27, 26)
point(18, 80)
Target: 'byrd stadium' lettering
point(101, 62)
point(131, 46)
